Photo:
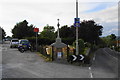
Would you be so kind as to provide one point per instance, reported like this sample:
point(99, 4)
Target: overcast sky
point(43, 12)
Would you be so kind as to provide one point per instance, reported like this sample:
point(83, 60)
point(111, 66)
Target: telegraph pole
point(77, 47)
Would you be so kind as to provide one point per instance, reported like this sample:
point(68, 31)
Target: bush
point(41, 41)
point(81, 46)
point(68, 41)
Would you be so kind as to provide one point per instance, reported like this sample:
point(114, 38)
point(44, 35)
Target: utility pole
point(36, 41)
point(77, 47)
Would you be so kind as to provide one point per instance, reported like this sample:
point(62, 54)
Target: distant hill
point(118, 38)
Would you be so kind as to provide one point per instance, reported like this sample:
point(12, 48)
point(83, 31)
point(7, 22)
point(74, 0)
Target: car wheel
point(10, 46)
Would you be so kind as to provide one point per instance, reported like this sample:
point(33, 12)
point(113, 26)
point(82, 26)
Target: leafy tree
point(66, 32)
point(3, 33)
point(89, 31)
point(49, 28)
point(109, 40)
point(48, 32)
point(81, 45)
point(113, 36)
point(8, 38)
point(22, 30)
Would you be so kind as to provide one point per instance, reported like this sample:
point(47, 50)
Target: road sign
point(36, 29)
point(77, 57)
point(77, 22)
point(74, 57)
point(82, 57)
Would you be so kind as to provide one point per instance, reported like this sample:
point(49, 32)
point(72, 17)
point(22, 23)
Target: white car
point(14, 43)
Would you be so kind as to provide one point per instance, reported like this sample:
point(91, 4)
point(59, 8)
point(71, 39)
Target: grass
point(46, 59)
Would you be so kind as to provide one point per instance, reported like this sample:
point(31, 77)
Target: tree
point(49, 28)
point(22, 30)
point(8, 38)
point(89, 31)
point(66, 32)
point(48, 32)
point(3, 33)
point(109, 40)
point(81, 45)
point(113, 36)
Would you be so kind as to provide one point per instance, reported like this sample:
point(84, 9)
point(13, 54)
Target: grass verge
point(46, 59)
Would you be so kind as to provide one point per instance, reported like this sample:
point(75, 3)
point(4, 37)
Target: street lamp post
point(77, 47)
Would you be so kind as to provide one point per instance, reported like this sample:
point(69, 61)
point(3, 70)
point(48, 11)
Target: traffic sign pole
point(36, 41)
point(36, 30)
point(77, 47)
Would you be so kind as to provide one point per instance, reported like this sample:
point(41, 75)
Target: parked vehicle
point(21, 49)
point(24, 45)
point(14, 43)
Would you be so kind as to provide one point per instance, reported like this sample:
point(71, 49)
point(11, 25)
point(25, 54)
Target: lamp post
point(77, 47)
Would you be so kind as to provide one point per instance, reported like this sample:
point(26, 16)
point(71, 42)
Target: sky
point(43, 12)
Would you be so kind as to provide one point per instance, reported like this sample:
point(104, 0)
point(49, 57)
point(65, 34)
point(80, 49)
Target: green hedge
point(41, 41)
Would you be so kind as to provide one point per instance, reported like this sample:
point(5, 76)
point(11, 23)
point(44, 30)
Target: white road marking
point(94, 57)
point(110, 55)
point(89, 68)
point(91, 74)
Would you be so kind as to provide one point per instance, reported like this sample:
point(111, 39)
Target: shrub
point(81, 46)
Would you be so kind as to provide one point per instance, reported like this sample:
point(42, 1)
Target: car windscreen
point(24, 42)
point(14, 40)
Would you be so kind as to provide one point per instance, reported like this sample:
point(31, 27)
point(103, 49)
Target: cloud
point(111, 31)
point(107, 17)
point(57, 1)
point(109, 14)
point(42, 12)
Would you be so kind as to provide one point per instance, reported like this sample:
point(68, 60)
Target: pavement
point(30, 65)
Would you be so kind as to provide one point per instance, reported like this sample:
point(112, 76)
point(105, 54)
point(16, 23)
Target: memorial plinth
point(57, 47)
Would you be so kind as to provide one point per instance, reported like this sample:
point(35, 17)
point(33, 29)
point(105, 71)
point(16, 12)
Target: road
point(0, 61)
point(105, 63)
point(30, 65)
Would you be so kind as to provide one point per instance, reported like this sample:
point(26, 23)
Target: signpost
point(36, 30)
point(77, 24)
point(78, 57)
point(82, 57)
point(74, 57)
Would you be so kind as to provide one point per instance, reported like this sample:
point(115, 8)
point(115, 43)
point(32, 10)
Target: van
point(14, 43)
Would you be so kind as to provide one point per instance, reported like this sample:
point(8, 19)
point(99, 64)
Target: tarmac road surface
point(30, 65)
